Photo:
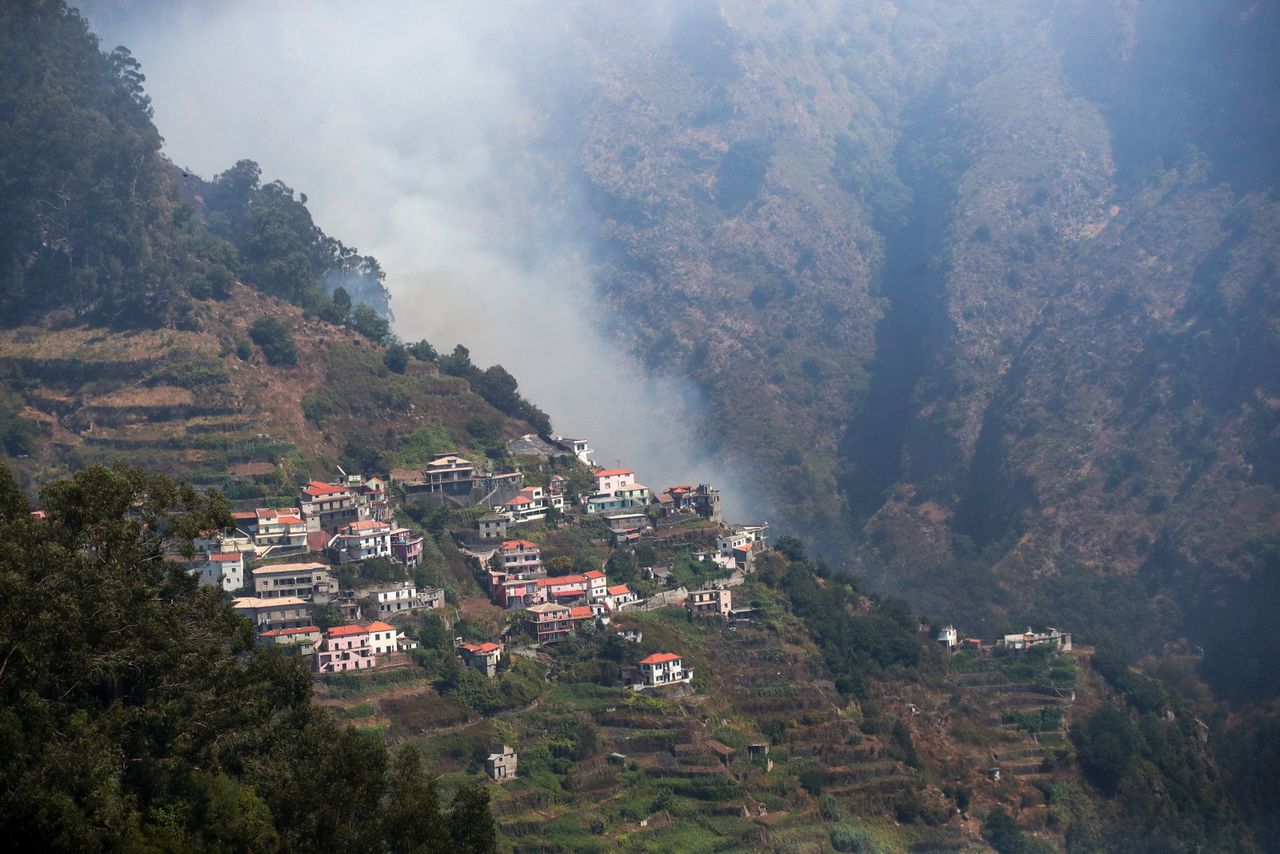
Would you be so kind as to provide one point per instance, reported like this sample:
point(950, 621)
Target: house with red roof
point(482, 656)
point(619, 596)
point(529, 505)
point(329, 506)
point(662, 668)
point(274, 530)
point(305, 637)
point(355, 647)
point(565, 588)
point(609, 480)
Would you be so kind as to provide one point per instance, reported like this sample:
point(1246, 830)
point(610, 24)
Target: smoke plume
point(409, 126)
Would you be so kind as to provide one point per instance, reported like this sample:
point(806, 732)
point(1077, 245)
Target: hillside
point(1004, 305)
point(204, 404)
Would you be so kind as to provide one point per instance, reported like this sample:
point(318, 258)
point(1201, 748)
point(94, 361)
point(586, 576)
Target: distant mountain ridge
point(986, 295)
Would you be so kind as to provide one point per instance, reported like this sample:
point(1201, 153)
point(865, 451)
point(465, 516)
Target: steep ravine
point(911, 282)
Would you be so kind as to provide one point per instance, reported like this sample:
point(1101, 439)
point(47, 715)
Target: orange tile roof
point(289, 520)
point(519, 499)
point(345, 631)
point(367, 525)
point(481, 648)
point(660, 658)
point(595, 573)
point(612, 472)
point(619, 590)
point(380, 627)
point(512, 545)
point(225, 556)
point(582, 612)
point(317, 488)
point(561, 580)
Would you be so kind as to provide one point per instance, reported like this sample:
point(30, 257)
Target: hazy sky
point(406, 124)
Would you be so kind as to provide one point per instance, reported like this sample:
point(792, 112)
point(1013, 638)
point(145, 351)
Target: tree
point(423, 351)
point(341, 301)
point(273, 337)
point(471, 828)
point(370, 324)
point(396, 358)
point(413, 816)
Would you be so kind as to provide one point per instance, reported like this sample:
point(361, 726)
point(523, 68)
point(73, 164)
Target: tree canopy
point(136, 710)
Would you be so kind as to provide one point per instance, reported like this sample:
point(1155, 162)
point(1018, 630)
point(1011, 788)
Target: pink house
point(549, 622)
point(565, 587)
point(520, 556)
point(354, 647)
point(609, 481)
point(406, 546)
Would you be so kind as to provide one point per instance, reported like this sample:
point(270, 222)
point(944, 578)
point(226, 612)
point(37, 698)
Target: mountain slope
point(978, 299)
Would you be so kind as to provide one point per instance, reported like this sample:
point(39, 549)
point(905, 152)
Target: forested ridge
point(137, 712)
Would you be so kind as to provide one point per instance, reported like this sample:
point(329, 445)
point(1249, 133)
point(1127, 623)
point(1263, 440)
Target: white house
point(367, 538)
point(224, 570)
point(662, 668)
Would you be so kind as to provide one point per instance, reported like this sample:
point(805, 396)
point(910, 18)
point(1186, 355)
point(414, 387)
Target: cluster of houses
point(628, 507)
point(1052, 638)
point(352, 520)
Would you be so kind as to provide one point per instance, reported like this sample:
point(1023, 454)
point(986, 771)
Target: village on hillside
point(514, 563)
point(332, 576)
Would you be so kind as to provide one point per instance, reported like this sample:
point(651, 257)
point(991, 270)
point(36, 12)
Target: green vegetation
point(274, 339)
point(110, 737)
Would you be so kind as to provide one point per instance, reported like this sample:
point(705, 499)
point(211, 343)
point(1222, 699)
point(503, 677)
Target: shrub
point(273, 337)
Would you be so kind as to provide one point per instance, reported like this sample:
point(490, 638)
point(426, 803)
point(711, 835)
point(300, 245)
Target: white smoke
point(406, 125)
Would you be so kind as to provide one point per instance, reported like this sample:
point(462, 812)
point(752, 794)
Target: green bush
point(275, 341)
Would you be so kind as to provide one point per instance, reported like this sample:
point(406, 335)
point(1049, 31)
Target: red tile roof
point(514, 545)
point(224, 556)
point(519, 499)
point(481, 648)
point(317, 488)
point(660, 658)
point(561, 580)
point(345, 631)
point(595, 573)
point(289, 520)
point(612, 472)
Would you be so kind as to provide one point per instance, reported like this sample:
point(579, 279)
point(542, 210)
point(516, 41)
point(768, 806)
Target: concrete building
point(482, 656)
point(361, 540)
point(311, 582)
point(549, 622)
point(400, 597)
point(501, 764)
point(710, 603)
point(224, 570)
point(284, 612)
point(949, 637)
point(1049, 637)
point(406, 546)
